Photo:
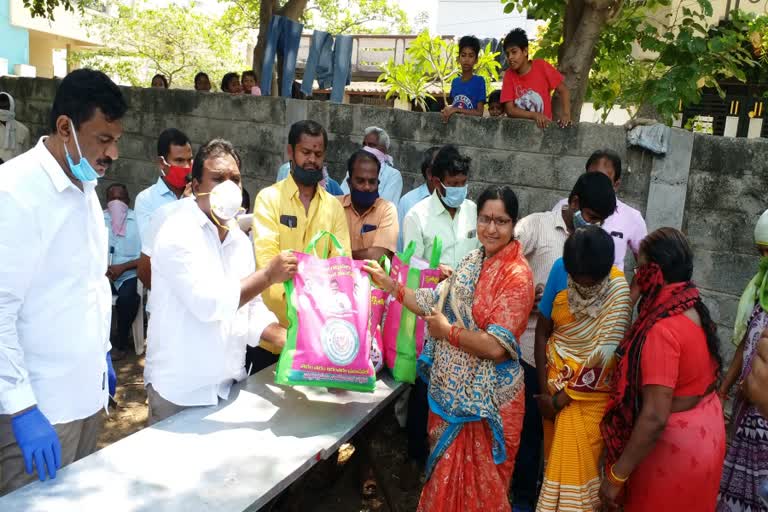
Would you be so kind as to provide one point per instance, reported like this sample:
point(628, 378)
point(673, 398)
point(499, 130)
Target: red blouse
point(675, 355)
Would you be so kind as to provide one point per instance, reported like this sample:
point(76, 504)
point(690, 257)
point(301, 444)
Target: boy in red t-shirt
point(528, 84)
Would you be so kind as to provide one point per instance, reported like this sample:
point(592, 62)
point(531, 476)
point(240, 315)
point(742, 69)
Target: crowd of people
point(526, 91)
point(536, 390)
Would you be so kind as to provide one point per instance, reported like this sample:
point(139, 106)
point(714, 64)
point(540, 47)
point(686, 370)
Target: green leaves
point(174, 41)
point(45, 8)
point(432, 62)
point(659, 52)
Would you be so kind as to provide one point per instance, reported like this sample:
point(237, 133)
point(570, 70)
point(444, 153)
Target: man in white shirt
point(174, 161)
point(446, 214)
point(55, 298)
point(418, 194)
point(626, 225)
point(206, 304)
point(14, 136)
point(376, 140)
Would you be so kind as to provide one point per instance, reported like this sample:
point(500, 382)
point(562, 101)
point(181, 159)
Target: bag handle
point(386, 265)
point(408, 253)
point(437, 251)
point(312, 245)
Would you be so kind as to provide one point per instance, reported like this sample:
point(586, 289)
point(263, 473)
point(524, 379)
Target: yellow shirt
point(281, 223)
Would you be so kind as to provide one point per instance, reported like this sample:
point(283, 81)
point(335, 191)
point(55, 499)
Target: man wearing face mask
point(206, 303)
point(373, 225)
point(174, 161)
point(287, 215)
point(55, 299)
point(376, 141)
point(124, 250)
point(446, 214)
point(626, 225)
point(542, 237)
point(14, 136)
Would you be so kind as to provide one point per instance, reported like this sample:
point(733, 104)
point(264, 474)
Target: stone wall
point(712, 187)
point(727, 192)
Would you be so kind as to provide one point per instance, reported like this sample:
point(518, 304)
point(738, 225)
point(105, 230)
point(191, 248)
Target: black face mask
point(305, 177)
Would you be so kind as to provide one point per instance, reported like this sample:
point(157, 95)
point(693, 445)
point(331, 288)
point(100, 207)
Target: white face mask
point(226, 200)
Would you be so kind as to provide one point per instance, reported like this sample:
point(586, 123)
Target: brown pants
point(78, 439)
point(159, 407)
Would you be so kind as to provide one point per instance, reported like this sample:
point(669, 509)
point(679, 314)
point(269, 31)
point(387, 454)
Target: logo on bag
point(340, 342)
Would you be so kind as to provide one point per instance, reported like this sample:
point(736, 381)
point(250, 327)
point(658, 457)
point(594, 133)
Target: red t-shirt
point(533, 90)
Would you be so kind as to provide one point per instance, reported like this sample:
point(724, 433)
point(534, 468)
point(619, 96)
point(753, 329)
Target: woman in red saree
point(664, 429)
point(471, 363)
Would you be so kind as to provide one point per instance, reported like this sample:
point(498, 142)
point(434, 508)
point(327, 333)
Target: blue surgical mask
point(363, 199)
point(454, 196)
point(83, 170)
point(579, 221)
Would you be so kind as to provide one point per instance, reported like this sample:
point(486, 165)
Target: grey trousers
point(78, 439)
point(159, 407)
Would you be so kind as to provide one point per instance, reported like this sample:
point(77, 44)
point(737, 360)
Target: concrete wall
point(716, 203)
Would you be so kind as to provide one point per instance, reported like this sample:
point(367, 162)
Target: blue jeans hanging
point(329, 64)
point(319, 64)
point(342, 67)
point(284, 38)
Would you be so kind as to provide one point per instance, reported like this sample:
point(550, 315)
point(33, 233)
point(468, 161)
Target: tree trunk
point(584, 22)
point(293, 9)
point(266, 9)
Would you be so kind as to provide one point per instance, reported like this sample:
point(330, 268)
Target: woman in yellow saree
point(585, 312)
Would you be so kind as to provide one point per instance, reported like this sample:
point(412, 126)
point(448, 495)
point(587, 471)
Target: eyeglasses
point(500, 222)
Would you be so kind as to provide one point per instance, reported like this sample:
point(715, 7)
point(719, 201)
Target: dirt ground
point(378, 452)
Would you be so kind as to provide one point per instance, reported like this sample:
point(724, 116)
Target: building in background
point(37, 46)
point(482, 18)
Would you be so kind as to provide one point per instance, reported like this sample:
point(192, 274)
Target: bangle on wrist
point(400, 296)
point(453, 336)
point(615, 479)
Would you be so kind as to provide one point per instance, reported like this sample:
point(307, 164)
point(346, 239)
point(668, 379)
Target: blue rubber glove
point(38, 442)
point(111, 377)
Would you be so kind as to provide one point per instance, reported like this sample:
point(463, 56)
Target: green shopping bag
point(404, 331)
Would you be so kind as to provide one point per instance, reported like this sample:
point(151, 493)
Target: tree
point(335, 16)
point(431, 61)
point(174, 41)
point(356, 17)
point(593, 43)
point(45, 8)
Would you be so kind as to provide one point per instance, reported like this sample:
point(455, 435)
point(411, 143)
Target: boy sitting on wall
point(528, 84)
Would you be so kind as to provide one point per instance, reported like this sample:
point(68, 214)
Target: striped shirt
point(542, 237)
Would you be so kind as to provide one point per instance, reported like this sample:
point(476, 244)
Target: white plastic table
point(233, 457)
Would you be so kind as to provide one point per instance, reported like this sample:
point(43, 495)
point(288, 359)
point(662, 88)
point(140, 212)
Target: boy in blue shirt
point(468, 90)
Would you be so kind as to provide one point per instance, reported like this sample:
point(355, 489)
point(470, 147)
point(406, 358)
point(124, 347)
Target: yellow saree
point(580, 360)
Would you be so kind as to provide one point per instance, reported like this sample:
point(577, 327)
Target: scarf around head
point(757, 289)
point(381, 156)
point(9, 118)
point(626, 399)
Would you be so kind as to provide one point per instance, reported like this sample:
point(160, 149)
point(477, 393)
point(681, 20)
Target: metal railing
point(369, 52)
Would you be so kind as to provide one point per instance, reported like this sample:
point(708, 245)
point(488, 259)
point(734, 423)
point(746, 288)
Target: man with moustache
point(55, 298)
point(289, 213)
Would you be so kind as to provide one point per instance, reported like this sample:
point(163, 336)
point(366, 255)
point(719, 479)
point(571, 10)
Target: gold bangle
point(615, 478)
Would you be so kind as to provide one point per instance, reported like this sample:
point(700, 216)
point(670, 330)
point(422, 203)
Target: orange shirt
point(377, 227)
